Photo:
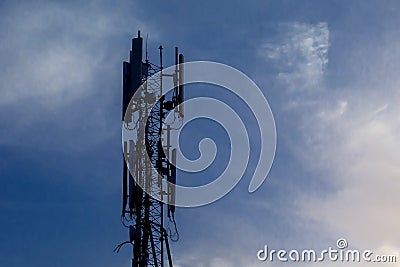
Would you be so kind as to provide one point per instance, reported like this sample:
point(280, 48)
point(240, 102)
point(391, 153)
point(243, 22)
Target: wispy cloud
point(53, 53)
point(348, 140)
point(61, 66)
point(299, 53)
point(361, 161)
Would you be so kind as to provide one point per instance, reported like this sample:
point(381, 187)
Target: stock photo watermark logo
point(339, 253)
point(210, 108)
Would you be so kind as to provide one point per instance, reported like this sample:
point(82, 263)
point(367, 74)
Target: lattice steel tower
point(147, 158)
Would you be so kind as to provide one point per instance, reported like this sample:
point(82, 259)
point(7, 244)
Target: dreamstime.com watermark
point(340, 253)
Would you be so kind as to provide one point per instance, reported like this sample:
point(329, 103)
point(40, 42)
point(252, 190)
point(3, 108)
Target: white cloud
point(61, 61)
point(54, 52)
point(349, 141)
point(300, 53)
point(361, 158)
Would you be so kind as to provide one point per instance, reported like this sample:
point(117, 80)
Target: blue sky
point(329, 70)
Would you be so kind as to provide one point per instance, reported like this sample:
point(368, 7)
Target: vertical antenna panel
point(132, 155)
point(176, 75)
point(136, 64)
point(181, 91)
point(171, 186)
point(124, 182)
point(124, 189)
point(126, 88)
point(132, 188)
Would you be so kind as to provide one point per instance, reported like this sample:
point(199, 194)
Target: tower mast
point(142, 214)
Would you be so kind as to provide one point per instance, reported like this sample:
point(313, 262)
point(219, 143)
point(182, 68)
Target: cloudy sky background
point(328, 69)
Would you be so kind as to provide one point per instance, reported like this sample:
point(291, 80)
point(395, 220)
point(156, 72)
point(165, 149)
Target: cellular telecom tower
point(146, 159)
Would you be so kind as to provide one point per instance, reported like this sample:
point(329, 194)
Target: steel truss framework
point(147, 162)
